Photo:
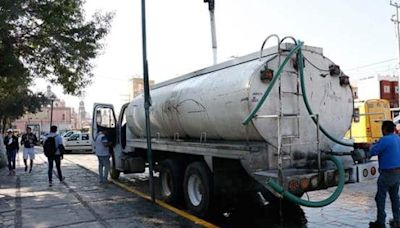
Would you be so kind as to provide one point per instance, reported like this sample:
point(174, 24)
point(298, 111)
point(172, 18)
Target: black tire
point(114, 173)
point(198, 189)
point(170, 180)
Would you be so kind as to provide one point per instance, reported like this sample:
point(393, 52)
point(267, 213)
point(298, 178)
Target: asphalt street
point(27, 201)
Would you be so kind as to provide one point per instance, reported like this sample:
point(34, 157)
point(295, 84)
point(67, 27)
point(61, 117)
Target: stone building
point(64, 117)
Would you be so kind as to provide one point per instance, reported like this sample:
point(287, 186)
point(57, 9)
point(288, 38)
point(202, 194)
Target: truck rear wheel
point(198, 188)
point(171, 176)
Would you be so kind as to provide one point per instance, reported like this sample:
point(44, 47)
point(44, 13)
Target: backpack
point(49, 147)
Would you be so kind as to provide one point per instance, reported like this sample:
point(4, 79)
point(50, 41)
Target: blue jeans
point(388, 182)
point(104, 167)
point(51, 160)
point(11, 154)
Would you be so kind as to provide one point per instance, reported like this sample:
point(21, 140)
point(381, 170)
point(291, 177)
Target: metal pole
point(396, 22)
point(211, 7)
point(51, 113)
point(147, 100)
point(213, 36)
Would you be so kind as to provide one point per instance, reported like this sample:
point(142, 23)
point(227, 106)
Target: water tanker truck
point(265, 124)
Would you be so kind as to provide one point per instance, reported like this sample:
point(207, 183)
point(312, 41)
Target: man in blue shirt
point(101, 147)
point(388, 151)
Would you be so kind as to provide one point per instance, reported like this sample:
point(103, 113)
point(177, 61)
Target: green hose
point(289, 196)
point(271, 85)
point(300, 65)
point(303, 90)
point(275, 186)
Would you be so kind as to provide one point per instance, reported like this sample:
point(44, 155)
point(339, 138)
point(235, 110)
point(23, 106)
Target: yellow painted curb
point(184, 214)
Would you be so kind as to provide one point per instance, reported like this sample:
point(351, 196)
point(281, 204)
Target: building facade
point(138, 85)
point(83, 118)
point(64, 117)
point(378, 87)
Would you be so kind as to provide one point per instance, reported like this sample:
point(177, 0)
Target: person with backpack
point(12, 147)
point(29, 140)
point(53, 149)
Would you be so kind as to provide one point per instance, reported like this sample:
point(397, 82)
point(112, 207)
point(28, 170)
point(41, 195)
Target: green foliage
point(48, 39)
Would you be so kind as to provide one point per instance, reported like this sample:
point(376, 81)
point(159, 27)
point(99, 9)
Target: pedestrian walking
point(53, 149)
point(12, 147)
point(101, 147)
point(388, 151)
point(29, 140)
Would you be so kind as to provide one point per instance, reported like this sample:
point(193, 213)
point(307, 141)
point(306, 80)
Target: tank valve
point(266, 75)
point(334, 70)
point(344, 80)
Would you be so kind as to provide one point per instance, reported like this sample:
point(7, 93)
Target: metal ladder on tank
point(281, 156)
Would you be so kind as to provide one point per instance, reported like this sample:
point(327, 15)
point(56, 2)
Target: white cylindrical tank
point(214, 101)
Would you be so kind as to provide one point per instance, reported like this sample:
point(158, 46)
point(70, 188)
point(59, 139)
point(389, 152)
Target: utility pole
point(211, 7)
point(147, 101)
point(395, 20)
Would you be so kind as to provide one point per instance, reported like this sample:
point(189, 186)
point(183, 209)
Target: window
point(85, 137)
point(105, 117)
point(73, 137)
point(386, 89)
point(396, 89)
point(63, 116)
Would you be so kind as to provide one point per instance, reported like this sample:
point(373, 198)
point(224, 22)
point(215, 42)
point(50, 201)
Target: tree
point(19, 103)
point(48, 39)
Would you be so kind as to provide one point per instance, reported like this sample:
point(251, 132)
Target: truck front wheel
point(114, 173)
point(171, 176)
point(198, 188)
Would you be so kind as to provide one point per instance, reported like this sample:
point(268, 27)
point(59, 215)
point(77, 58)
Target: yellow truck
point(367, 120)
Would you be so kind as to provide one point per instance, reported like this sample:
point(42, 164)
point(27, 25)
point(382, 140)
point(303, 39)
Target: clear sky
point(352, 33)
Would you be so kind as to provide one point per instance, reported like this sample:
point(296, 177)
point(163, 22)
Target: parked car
point(78, 142)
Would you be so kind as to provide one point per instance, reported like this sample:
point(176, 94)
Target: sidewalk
point(27, 201)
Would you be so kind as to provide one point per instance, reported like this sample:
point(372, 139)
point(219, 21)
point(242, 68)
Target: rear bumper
point(299, 181)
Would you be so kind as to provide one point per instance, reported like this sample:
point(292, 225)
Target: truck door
point(121, 134)
point(104, 119)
